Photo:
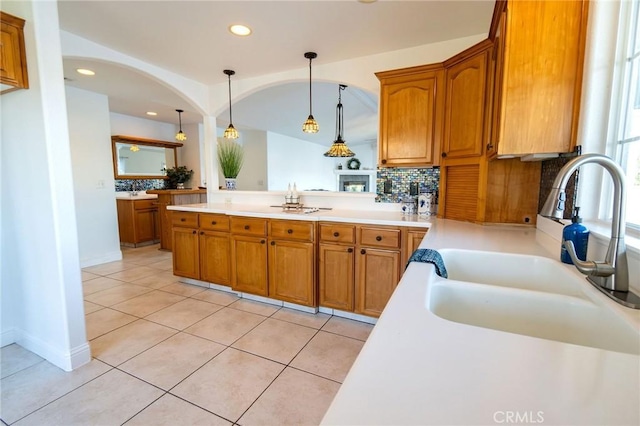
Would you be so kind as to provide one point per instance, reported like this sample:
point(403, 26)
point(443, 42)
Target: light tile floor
point(167, 353)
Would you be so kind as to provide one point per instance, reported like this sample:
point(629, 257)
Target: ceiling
point(191, 38)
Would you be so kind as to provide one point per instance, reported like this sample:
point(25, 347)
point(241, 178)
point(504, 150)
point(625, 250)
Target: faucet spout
point(613, 273)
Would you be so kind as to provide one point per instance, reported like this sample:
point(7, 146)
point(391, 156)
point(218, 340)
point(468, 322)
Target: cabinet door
point(377, 275)
point(336, 276)
point(215, 257)
point(145, 226)
point(157, 229)
point(13, 60)
point(186, 259)
point(411, 240)
point(249, 264)
point(498, 71)
point(292, 272)
point(410, 116)
point(465, 107)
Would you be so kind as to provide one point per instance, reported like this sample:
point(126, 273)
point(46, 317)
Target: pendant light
point(180, 136)
point(339, 147)
point(311, 125)
point(230, 132)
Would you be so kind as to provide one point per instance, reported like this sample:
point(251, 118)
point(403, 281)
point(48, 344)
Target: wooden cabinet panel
point(292, 271)
point(379, 237)
point(145, 204)
point(292, 230)
point(214, 222)
point(249, 264)
point(171, 197)
point(215, 257)
point(377, 275)
point(461, 191)
point(464, 122)
point(184, 219)
point(249, 226)
point(186, 259)
point(411, 107)
point(145, 227)
point(497, 78)
point(13, 58)
point(411, 240)
point(137, 222)
point(337, 233)
point(542, 76)
point(336, 276)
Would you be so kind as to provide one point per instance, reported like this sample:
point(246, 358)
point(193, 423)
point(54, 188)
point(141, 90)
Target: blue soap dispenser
point(579, 235)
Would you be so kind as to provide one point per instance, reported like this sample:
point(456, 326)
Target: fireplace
point(356, 180)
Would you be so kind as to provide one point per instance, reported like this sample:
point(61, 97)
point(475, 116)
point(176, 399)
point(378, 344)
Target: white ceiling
point(191, 38)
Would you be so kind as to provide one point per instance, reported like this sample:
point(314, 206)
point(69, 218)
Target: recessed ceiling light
point(151, 113)
point(367, 1)
point(85, 71)
point(240, 30)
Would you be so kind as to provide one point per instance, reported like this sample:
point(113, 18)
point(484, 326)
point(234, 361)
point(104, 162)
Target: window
point(628, 132)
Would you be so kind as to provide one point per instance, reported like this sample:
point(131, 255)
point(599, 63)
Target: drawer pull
point(378, 238)
point(289, 231)
point(201, 233)
point(182, 219)
point(384, 161)
point(246, 227)
point(213, 222)
point(273, 243)
point(195, 232)
point(262, 241)
point(363, 251)
point(349, 250)
point(336, 234)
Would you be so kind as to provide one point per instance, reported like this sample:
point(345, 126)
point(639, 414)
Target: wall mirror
point(138, 158)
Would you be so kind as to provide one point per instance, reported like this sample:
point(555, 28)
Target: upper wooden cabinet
point(13, 59)
point(411, 111)
point(466, 98)
point(539, 63)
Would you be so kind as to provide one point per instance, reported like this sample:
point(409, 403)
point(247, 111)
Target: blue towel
point(429, 256)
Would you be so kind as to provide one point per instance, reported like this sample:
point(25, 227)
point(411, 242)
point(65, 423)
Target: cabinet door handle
point(246, 227)
point(349, 250)
point(182, 219)
point(262, 241)
point(273, 243)
point(213, 222)
point(489, 146)
point(201, 233)
point(289, 231)
point(384, 161)
point(363, 251)
point(443, 155)
point(336, 234)
point(378, 238)
point(195, 232)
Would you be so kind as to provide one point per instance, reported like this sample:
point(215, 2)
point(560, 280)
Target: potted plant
point(230, 157)
point(177, 177)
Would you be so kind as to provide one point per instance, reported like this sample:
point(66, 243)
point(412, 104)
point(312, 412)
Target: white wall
point(190, 153)
point(93, 179)
point(292, 160)
point(42, 308)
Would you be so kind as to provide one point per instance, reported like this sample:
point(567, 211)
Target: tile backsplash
point(141, 184)
point(550, 169)
point(401, 179)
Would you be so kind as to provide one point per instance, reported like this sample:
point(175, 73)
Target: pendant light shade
point(180, 136)
point(230, 132)
point(310, 125)
point(339, 147)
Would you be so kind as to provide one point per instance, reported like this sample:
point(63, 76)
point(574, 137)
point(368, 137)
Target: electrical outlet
point(388, 186)
point(413, 188)
point(100, 184)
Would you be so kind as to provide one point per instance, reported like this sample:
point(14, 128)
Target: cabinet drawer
point(249, 226)
point(291, 229)
point(184, 219)
point(336, 233)
point(145, 204)
point(214, 222)
point(380, 237)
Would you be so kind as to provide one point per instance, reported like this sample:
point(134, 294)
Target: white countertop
point(419, 369)
point(333, 215)
point(141, 196)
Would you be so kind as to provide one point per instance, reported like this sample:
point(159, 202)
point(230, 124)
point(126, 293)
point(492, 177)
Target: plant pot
point(230, 183)
point(180, 186)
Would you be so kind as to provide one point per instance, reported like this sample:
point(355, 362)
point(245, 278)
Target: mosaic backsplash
point(141, 184)
point(400, 180)
point(550, 169)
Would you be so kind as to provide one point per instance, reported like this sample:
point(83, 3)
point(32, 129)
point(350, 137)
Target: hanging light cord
point(230, 115)
point(339, 124)
point(310, 103)
point(180, 120)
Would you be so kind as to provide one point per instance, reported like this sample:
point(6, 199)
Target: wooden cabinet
point(411, 110)
point(538, 76)
point(377, 275)
point(137, 222)
point(292, 271)
point(13, 58)
point(411, 239)
point(465, 105)
point(171, 197)
point(249, 264)
point(201, 247)
point(336, 276)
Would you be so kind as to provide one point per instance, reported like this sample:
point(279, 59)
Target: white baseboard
point(348, 315)
point(99, 260)
point(8, 337)
point(66, 360)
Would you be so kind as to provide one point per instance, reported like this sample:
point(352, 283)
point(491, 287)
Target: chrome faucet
point(610, 276)
point(133, 191)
